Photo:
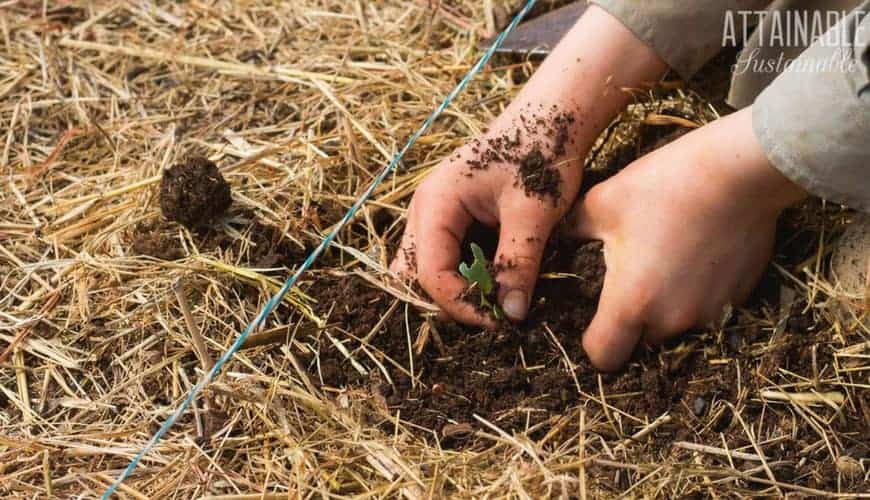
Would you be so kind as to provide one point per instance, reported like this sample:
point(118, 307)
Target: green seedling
point(477, 275)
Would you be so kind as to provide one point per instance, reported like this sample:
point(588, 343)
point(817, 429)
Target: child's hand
point(687, 230)
point(525, 198)
point(582, 78)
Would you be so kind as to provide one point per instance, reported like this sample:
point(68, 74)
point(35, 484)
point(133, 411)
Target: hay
point(300, 104)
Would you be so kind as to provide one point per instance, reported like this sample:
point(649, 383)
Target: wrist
point(586, 75)
point(773, 190)
point(749, 176)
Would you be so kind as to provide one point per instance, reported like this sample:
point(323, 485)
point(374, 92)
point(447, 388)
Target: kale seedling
point(478, 275)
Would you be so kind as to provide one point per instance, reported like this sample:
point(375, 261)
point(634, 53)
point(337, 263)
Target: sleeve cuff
point(684, 34)
point(813, 121)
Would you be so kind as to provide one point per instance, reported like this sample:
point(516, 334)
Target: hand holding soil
point(687, 230)
point(487, 181)
point(524, 173)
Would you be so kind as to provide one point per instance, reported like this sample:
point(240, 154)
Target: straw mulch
point(108, 313)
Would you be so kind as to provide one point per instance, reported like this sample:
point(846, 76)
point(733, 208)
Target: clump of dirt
point(410, 253)
point(194, 193)
point(538, 177)
point(547, 135)
point(586, 265)
point(153, 240)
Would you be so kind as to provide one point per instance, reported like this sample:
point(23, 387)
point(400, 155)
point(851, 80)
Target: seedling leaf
point(478, 275)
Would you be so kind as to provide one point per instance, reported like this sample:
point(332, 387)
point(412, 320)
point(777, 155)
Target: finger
point(617, 326)
point(745, 282)
point(521, 244)
point(404, 263)
point(441, 227)
point(671, 318)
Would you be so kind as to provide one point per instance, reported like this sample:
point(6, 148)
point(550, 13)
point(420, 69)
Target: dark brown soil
point(410, 252)
point(518, 378)
point(514, 376)
point(194, 193)
point(263, 247)
point(587, 266)
point(152, 240)
point(537, 177)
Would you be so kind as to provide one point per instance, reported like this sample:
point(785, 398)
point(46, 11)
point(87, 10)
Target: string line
point(312, 257)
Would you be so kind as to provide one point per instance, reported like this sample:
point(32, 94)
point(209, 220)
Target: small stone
point(699, 407)
point(438, 390)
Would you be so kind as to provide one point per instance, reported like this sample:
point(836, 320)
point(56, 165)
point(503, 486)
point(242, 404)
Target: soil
point(194, 193)
point(537, 177)
point(532, 147)
point(263, 246)
point(527, 377)
point(152, 240)
point(513, 376)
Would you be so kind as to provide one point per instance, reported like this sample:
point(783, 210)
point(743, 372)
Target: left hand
point(687, 230)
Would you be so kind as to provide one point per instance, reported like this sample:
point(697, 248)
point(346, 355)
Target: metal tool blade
point(541, 34)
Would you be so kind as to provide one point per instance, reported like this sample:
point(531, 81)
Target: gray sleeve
point(684, 34)
point(813, 121)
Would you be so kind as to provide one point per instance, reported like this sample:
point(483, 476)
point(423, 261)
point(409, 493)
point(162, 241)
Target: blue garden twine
point(291, 281)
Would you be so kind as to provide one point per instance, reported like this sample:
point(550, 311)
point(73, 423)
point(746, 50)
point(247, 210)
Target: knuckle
point(508, 262)
point(679, 320)
point(517, 270)
point(402, 268)
point(640, 296)
point(599, 361)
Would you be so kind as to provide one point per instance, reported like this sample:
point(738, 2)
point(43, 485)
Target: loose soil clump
point(194, 193)
point(538, 178)
point(151, 239)
point(547, 135)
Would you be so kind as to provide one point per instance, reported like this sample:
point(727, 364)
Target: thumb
point(616, 328)
point(521, 244)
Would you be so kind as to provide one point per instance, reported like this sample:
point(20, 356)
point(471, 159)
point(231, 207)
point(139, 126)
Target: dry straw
point(300, 102)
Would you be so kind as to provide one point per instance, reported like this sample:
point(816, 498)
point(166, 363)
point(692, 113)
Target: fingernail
point(515, 305)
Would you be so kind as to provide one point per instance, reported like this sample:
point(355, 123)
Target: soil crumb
point(531, 147)
point(194, 193)
point(538, 177)
point(587, 266)
point(154, 240)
